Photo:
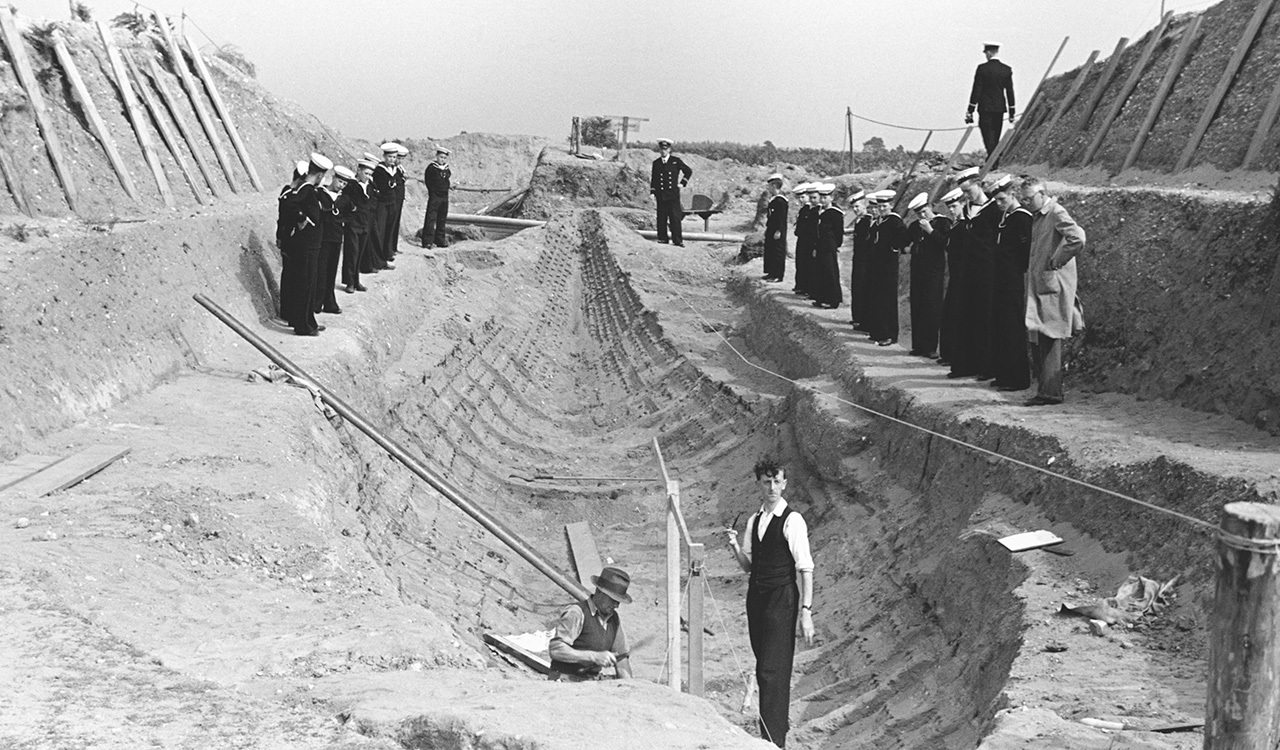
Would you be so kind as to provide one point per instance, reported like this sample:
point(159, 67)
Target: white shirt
point(794, 530)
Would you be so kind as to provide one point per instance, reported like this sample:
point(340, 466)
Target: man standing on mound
point(774, 549)
point(669, 175)
point(589, 636)
point(992, 96)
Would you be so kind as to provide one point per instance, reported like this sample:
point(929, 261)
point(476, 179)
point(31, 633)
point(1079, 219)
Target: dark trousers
point(1010, 363)
point(375, 256)
point(323, 299)
point(825, 286)
point(926, 306)
point(1047, 354)
point(670, 213)
point(393, 229)
point(973, 355)
point(433, 222)
point(804, 266)
point(353, 247)
point(775, 257)
point(882, 286)
point(771, 622)
point(297, 285)
point(990, 124)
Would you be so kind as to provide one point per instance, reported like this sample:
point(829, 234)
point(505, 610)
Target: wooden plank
point(171, 103)
point(1224, 84)
point(906, 176)
point(1100, 133)
point(1268, 121)
point(224, 114)
point(99, 126)
point(582, 548)
point(197, 103)
point(24, 466)
point(524, 656)
point(13, 178)
point(162, 126)
point(67, 472)
point(1063, 105)
point(135, 118)
point(1035, 103)
point(1176, 65)
point(946, 172)
point(22, 67)
point(673, 581)
point(1108, 73)
point(1030, 540)
point(697, 685)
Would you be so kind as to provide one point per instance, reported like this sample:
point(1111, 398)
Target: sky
point(745, 71)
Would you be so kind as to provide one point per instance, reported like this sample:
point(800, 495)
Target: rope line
point(1246, 544)
point(956, 441)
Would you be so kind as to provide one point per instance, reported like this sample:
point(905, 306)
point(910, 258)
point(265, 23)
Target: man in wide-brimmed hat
point(589, 636)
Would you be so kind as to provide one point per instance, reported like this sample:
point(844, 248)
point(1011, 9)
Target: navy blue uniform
point(665, 183)
point(437, 180)
point(992, 96)
point(775, 238)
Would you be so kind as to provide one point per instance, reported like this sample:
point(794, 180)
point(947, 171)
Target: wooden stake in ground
point(946, 172)
point(171, 103)
point(1104, 80)
point(906, 176)
point(1063, 105)
point(16, 188)
point(1034, 103)
point(1129, 85)
point(197, 103)
point(1224, 85)
point(166, 135)
point(135, 118)
point(203, 71)
point(1243, 707)
point(1175, 67)
point(1268, 121)
point(22, 67)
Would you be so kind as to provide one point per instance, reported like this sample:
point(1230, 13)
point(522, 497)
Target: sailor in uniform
point(437, 179)
point(298, 275)
point(668, 176)
point(927, 242)
point(980, 220)
point(1010, 355)
point(355, 235)
point(775, 230)
point(804, 236)
point(888, 235)
point(953, 299)
point(827, 292)
point(385, 184)
point(861, 233)
point(335, 208)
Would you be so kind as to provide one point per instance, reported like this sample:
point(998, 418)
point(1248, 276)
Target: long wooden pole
point(1224, 84)
point(197, 103)
point(171, 103)
point(22, 67)
point(99, 126)
point(906, 176)
point(1016, 133)
point(951, 162)
point(11, 176)
point(224, 114)
point(673, 588)
point(1268, 121)
point(1100, 133)
point(697, 554)
point(1104, 81)
point(1176, 65)
point(135, 118)
point(1063, 105)
point(162, 126)
point(848, 125)
point(1242, 711)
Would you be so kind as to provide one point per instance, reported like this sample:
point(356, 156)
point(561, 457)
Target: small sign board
point(1030, 540)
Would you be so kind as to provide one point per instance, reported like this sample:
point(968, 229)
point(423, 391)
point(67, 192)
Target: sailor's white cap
point(800, 188)
point(400, 149)
point(884, 196)
point(368, 162)
point(857, 195)
point(443, 150)
point(813, 187)
point(344, 172)
point(1001, 185)
point(300, 168)
point(320, 163)
point(967, 174)
point(918, 202)
point(390, 147)
point(826, 188)
point(953, 195)
point(775, 176)
point(661, 141)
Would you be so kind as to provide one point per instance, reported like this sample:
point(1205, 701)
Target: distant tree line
point(819, 161)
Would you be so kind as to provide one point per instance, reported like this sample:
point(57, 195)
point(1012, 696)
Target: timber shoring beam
point(1063, 105)
point(224, 114)
point(1176, 65)
point(171, 103)
point(121, 76)
point(1104, 81)
point(1135, 76)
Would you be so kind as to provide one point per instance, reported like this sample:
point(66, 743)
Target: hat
point(390, 147)
point(952, 196)
point(800, 188)
point(1001, 185)
point(372, 157)
point(967, 174)
point(918, 202)
point(400, 149)
point(857, 195)
point(884, 196)
point(812, 187)
point(991, 45)
point(300, 169)
point(661, 141)
point(344, 172)
point(614, 582)
point(367, 162)
point(775, 176)
point(826, 188)
point(443, 150)
point(320, 163)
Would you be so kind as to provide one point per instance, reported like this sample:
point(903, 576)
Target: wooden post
point(575, 136)
point(1130, 84)
point(906, 176)
point(1063, 105)
point(1242, 711)
point(673, 587)
point(171, 103)
point(16, 187)
point(946, 172)
point(1224, 84)
point(180, 67)
point(1108, 73)
point(626, 125)
point(1268, 121)
point(848, 123)
point(202, 70)
point(1176, 65)
point(22, 67)
point(1016, 133)
point(131, 110)
point(162, 126)
point(697, 555)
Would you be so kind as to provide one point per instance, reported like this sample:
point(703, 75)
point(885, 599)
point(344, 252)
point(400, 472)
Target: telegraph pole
point(848, 124)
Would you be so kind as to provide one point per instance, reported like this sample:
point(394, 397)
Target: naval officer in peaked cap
point(669, 175)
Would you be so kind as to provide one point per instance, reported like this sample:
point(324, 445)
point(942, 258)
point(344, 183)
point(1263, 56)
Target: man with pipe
point(589, 636)
point(774, 549)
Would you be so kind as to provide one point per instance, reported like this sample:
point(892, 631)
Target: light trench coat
point(1053, 309)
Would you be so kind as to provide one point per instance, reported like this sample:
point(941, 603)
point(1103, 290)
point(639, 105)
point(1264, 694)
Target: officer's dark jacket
point(992, 87)
point(667, 179)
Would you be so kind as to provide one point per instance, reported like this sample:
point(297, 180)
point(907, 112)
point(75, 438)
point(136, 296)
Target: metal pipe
point(453, 495)
point(501, 222)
